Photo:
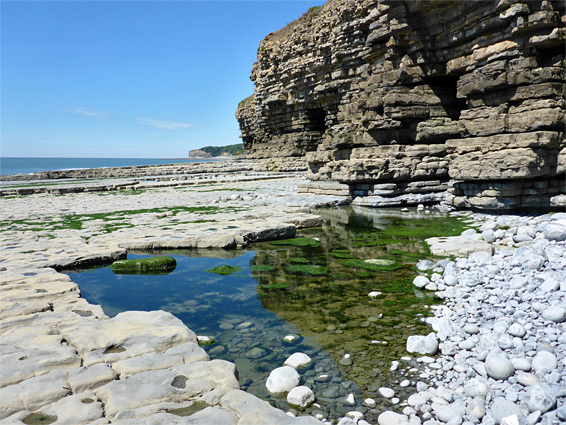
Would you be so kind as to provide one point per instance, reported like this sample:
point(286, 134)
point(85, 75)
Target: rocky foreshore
point(500, 332)
point(64, 361)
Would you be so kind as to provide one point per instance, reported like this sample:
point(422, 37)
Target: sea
point(15, 165)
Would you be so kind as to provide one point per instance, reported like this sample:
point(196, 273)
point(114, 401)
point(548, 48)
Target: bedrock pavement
point(62, 358)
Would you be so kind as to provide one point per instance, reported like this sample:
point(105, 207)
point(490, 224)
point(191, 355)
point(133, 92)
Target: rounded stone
point(298, 360)
point(502, 408)
point(450, 280)
point(391, 418)
point(476, 388)
point(256, 353)
point(386, 392)
point(369, 402)
point(420, 281)
point(471, 329)
point(498, 366)
point(544, 360)
point(527, 379)
point(555, 314)
point(346, 360)
point(301, 397)
point(517, 330)
point(282, 380)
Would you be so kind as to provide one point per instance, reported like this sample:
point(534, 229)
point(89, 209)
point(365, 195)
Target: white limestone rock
point(128, 334)
point(125, 397)
point(298, 360)
point(422, 344)
point(392, 418)
point(540, 397)
point(301, 397)
point(176, 356)
point(498, 366)
point(555, 314)
point(282, 380)
point(252, 410)
point(544, 360)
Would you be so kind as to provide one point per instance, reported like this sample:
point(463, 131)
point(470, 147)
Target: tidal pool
point(315, 287)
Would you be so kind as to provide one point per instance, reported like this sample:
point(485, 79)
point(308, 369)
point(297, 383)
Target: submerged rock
point(152, 265)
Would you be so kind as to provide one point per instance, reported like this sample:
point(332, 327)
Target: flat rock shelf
point(499, 332)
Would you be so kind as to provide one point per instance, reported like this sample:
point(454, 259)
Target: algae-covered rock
point(224, 270)
point(151, 265)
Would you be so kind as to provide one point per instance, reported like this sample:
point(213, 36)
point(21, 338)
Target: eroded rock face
point(388, 96)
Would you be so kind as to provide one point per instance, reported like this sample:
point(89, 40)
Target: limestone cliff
point(401, 100)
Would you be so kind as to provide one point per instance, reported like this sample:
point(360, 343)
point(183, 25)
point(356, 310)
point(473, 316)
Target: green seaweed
point(151, 265)
point(299, 260)
point(302, 242)
point(342, 253)
point(313, 270)
point(262, 268)
point(224, 270)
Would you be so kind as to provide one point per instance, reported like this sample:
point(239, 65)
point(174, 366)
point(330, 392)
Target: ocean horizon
point(30, 165)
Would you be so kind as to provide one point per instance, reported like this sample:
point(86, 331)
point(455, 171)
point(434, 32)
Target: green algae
point(363, 264)
point(308, 269)
point(299, 260)
point(151, 265)
point(262, 268)
point(189, 410)
point(341, 253)
point(224, 270)
point(301, 242)
point(279, 285)
point(39, 418)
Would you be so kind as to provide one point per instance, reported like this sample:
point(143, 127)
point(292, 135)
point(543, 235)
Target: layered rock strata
point(397, 98)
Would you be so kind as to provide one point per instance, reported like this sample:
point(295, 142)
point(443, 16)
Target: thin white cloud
point(163, 124)
point(91, 113)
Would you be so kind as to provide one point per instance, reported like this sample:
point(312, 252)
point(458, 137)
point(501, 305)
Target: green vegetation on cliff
point(222, 150)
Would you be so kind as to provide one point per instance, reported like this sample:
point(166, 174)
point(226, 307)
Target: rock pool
point(342, 294)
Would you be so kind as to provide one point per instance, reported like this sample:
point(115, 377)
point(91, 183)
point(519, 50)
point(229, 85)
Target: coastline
point(53, 339)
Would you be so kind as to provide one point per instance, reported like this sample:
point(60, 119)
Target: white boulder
point(282, 380)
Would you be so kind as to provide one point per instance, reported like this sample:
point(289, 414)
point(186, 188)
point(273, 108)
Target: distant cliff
point(403, 100)
point(215, 151)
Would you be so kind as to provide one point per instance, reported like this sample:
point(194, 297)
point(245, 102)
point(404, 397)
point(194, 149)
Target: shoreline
point(58, 306)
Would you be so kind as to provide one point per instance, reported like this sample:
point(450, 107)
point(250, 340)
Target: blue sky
point(132, 79)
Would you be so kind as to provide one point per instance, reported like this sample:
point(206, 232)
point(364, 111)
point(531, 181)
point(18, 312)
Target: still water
point(314, 288)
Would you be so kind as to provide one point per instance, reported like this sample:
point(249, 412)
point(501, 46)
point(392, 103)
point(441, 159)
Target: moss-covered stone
point(151, 265)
